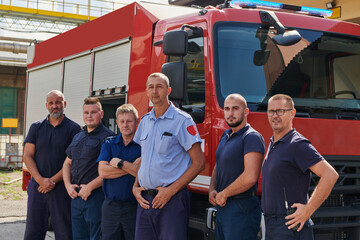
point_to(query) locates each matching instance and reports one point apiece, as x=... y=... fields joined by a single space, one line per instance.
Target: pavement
x=12 y=220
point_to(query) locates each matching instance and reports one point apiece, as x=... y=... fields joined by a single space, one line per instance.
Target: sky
x=70 y=6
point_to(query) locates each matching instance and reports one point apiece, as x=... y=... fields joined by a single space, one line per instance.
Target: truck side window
x=195 y=90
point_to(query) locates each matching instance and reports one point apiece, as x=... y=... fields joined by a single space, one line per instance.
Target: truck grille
x=338 y=218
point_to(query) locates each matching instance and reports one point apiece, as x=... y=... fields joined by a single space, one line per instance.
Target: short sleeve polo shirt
x=286 y=166
x=119 y=189
x=84 y=151
x=230 y=155
x=51 y=143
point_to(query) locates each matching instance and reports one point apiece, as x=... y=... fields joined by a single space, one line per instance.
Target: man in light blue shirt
x=171 y=157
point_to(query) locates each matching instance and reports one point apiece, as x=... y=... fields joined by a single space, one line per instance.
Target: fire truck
x=252 y=47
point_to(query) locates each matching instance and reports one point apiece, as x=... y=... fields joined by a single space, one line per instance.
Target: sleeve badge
x=192 y=130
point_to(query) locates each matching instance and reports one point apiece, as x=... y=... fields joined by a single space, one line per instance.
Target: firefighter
x=286 y=173
x=80 y=173
x=118 y=165
x=234 y=179
x=44 y=155
x=171 y=157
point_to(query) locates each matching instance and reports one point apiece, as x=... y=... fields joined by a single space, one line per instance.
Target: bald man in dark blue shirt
x=44 y=155
x=234 y=178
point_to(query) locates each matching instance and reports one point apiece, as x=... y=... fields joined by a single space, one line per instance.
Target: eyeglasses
x=279 y=112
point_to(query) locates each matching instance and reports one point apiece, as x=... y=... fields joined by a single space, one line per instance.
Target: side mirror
x=287 y=38
x=175 y=43
x=261 y=57
x=176 y=72
x=283 y=37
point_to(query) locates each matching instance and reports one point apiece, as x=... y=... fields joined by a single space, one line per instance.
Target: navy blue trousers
x=118 y=220
x=86 y=216
x=168 y=223
x=56 y=204
x=275 y=229
x=239 y=219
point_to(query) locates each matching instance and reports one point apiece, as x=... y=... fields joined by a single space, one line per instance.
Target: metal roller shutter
x=77 y=75
x=111 y=67
x=40 y=82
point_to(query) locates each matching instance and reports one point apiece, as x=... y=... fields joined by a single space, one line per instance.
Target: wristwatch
x=120 y=164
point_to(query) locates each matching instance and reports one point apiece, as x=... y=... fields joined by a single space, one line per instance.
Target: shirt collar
x=285 y=137
x=119 y=139
x=60 y=124
x=168 y=114
x=241 y=131
x=95 y=131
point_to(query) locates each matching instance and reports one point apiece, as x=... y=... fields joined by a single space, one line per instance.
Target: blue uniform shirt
x=286 y=165
x=119 y=189
x=230 y=155
x=164 y=144
x=84 y=151
x=51 y=143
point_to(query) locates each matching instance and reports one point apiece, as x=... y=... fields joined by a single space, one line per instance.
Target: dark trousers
x=56 y=204
x=275 y=229
x=86 y=216
x=239 y=219
x=168 y=223
x=118 y=220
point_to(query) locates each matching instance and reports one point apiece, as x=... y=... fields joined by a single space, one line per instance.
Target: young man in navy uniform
x=80 y=172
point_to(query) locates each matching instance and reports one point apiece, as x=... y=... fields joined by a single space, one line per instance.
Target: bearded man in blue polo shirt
x=234 y=179
x=80 y=172
x=171 y=157
x=44 y=155
x=286 y=173
x=118 y=165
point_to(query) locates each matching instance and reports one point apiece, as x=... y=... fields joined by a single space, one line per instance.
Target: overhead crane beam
x=32 y=13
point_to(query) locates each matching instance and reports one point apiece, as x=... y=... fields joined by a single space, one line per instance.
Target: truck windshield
x=321 y=72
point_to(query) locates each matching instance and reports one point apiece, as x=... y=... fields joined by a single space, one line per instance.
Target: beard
x=56 y=115
x=235 y=124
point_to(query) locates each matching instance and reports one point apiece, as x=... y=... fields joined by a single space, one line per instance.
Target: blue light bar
x=255 y=3
x=274 y=5
x=317 y=11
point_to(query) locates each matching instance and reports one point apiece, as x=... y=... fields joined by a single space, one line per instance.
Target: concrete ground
x=12 y=220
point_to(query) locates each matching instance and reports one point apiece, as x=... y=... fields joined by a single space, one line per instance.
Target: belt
x=151 y=192
x=244 y=195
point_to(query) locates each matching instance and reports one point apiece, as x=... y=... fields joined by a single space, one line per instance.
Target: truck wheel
x=11 y=166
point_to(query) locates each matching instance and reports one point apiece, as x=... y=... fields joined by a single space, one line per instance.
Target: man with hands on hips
x=286 y=176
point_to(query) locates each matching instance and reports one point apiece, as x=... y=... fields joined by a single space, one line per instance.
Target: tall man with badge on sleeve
x=44 y=155
x=289 y=162
x=80 y=172
x=234 y=179
x=171 y=157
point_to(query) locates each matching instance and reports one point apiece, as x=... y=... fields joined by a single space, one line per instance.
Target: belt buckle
x=152 y=192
